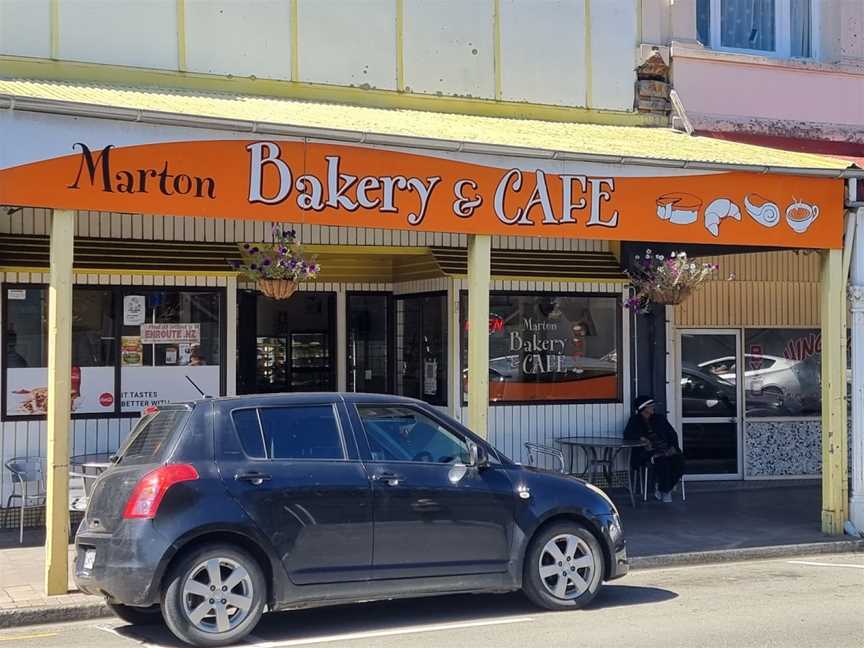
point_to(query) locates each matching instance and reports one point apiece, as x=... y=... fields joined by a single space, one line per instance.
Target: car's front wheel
x=563 y=567
x=214 y=596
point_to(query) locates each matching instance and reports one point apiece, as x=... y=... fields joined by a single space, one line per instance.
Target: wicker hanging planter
x=277 y=288
x=670 y=296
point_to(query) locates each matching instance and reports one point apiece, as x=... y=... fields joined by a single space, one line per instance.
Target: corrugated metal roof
x=573 y=138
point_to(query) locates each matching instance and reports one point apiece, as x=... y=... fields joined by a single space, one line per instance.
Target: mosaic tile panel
x=783 y=448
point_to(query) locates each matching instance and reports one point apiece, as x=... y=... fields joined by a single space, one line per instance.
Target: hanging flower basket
x=276 y=268
x=657 y=279
x=277 y=288
x=671 y=296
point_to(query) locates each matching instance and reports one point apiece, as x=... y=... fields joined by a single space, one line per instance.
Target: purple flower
x=266 y=262
x=291 y=234
x=254 y=250
x=283 y=250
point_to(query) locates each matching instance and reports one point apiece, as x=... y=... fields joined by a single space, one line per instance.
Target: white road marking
x=821 y=564
x=256 y=642
x=113 y=631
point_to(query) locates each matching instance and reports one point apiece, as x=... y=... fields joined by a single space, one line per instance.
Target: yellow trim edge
x=74 y=72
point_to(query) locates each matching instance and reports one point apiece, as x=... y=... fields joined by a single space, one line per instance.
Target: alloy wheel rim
x=217 y=595
x=566 y=566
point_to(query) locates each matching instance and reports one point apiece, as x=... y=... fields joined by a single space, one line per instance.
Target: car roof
x=299 y=398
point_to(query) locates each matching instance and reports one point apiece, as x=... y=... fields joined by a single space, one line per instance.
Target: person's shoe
x=667 y=497
x=658 y=495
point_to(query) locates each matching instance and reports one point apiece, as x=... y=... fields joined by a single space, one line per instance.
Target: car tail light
x=151 y=488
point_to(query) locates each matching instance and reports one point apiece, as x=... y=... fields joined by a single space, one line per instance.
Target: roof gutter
x=98 y=111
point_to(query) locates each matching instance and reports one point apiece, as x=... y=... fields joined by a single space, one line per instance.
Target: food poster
x=27 y=391
x=132 y=351
x=134 y=310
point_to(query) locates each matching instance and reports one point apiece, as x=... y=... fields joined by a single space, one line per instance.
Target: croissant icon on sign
x=717 y=210
x=762 y=210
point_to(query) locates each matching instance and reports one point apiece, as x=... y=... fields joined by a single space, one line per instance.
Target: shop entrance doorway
x=286 y=345
x=710 y=403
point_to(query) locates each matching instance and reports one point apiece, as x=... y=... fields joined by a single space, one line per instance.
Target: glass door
x=421 y=347
x=710 y=402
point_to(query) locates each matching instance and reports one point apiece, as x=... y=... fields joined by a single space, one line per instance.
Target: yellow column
x=479 y=278
x=835 y=471
x=59 y=402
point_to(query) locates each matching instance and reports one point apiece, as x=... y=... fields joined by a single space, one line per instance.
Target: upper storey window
x=781 y=28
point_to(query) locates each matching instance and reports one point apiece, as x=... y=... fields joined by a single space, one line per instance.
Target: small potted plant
x=658 y=279
x=277 y=268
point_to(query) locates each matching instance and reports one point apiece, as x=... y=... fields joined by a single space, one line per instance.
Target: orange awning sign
x=327 y=184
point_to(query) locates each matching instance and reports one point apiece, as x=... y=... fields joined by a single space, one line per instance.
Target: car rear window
x=300 y=432
x=151 y=435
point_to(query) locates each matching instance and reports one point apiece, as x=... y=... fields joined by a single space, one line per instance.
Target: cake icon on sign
x=679 y=208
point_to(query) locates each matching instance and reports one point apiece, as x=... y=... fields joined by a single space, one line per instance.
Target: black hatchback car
x=216 y=509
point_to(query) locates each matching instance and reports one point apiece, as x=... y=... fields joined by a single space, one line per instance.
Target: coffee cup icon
x=799 y=215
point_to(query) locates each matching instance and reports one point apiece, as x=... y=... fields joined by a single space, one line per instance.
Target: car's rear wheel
x=214 y=596
x=563 y=567
x=137 y=615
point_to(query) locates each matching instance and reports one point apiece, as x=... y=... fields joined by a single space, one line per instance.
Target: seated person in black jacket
x=659 y=447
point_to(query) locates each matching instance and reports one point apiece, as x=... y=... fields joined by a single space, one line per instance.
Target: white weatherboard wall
x=578 y=53
x=510 y=426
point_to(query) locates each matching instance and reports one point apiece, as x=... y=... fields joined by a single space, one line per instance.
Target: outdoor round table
x=601 y=453
x=89 y=467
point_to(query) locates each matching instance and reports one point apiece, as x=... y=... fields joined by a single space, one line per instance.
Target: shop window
x=369 y=339
x=421 y=347
x=769 y=27
x=160 y=342
x=171 y=346
x=26 y=359
x=782 y=372
x=550 y=347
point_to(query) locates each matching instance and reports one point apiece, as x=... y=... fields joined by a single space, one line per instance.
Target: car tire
x=572 y=549
x=195 y=618
x=137 y=615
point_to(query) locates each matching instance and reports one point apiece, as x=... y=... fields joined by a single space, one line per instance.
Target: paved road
x=816 y=601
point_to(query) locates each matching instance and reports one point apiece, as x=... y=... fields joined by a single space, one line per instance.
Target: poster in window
x=92 y=391
x=134 y=310
x=132 y=351
x=142 y=387
x=171 y=333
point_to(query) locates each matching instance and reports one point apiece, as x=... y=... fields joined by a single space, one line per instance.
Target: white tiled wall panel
x=239 y=38
x=449 y=47
x=348 y=43
x=542 y=60
x=613 y=54
x=121 y=32
x=25 y=28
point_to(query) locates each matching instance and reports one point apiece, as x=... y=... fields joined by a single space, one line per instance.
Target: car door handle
x=255 y=478
x=388 y=478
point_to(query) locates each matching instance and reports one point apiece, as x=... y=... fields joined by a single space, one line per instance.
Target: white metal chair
x=536 y=450
x=28 y=477
x=643 y=478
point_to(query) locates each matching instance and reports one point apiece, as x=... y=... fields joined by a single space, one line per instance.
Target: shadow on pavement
x=393 y=617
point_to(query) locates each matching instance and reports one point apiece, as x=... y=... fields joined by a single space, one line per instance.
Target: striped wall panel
x=31 y=220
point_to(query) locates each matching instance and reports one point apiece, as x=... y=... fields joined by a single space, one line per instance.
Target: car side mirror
x=477 y=456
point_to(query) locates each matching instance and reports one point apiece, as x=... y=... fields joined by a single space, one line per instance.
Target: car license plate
x=89 y=558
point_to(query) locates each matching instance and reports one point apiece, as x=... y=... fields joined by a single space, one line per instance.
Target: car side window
x=399 y=433
x=302 y=432
x=249 y=432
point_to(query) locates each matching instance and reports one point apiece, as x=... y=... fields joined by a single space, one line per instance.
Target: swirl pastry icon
x=762 y=210
x=717 y=210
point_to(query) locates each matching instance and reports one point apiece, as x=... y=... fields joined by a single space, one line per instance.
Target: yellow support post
x=835 y=470
x=479 y=279
x=59 y=402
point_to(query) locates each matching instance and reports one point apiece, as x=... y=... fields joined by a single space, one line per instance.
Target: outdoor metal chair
x=643 y=473
x=28 y=485
x=536 y=450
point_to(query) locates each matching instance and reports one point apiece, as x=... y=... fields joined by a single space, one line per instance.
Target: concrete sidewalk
x=22 y=585
x=717 y=523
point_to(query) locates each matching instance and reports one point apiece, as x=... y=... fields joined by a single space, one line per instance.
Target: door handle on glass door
x=388 y=478
x=254 y=478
